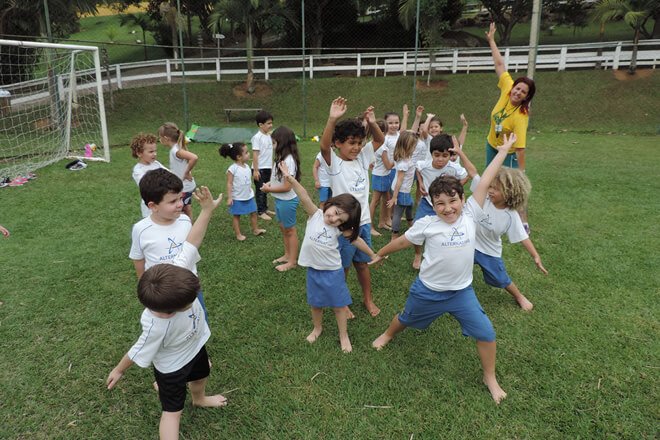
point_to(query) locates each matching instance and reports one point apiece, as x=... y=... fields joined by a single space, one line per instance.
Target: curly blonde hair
x=514 y=186
x=139 y=141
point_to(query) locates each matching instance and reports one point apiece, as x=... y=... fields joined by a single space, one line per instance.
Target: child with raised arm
x=326 y=283
x=174 y=329
x=444 y=284
x=286 y=202
x=143 y=148
x=349 y=173
x=240 y=197
x=182 y=161
x=321 y=180
x=401 y=201
x=507 y=195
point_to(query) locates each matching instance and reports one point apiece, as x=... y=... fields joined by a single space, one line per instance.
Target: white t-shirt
x=496 y=223
x=448 y=249
x=159 y=244
x=421 y=153
x=405 y=165
x=379 y=166
x=139 y=170
x=429 y=174
x=320 y=248
x=390 y=143
x=170 y=343
x=352 y=177
x=242 y=186
x=275 y=181
x=262 y=143
x=322 y=172
x=178 y=167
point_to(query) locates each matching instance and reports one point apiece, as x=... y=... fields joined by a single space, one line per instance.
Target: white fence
x=610 y=55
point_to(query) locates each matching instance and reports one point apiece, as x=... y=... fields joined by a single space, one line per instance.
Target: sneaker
x=76 y=165
x=264 y=216
x=4 y=182
x=270 y=213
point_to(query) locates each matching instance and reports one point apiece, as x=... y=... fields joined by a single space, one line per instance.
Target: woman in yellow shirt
x=511 y=112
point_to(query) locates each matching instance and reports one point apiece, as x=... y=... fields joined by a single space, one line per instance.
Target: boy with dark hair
x=174 y=329
x=348 y=170
x=444 y=284
x=262 y=161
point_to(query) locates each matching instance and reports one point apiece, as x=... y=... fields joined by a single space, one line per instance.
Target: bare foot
x=346 y=346
x=314 y=335
x=211 y=401
x=381 y=341
x=286 y=266
x=375 y=233
x=259 y=232
x=282 y=259
x=388 y=227
x=240 y=237
x=524 y=303
x=496 y=391
x=271 y=213
x=372 y=308
x=264 y=216
x=417 y=262
x=349 y=314
x=155 y=385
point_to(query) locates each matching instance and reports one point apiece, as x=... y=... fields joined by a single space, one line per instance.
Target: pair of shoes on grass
x=76 y=165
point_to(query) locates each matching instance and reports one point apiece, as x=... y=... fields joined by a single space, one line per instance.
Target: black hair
x=445 y=184
x=388 y=114
x=350 y=205
x=155 y=184
x=351 y=127
x=285 y=145
x=441 y=142
x=166 y=288
x=232 y=150
x=262 y=117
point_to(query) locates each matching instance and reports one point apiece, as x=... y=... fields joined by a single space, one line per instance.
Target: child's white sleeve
x=187 y=257
x=475 y=182
x=416 y=234
x=146 y=347
x=136 y=252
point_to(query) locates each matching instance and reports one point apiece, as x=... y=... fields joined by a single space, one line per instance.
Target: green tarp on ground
x=220 y=135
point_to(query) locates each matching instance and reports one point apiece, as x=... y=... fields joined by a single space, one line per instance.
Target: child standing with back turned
x=240 y=197
x=444 y=284
x=182 y=161
x=349 y=173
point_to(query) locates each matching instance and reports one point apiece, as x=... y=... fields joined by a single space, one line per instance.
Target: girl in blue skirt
x=240 y=196
x=326 y=282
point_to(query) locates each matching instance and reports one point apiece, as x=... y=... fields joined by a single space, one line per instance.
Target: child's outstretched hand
x=4 y=231
x=463 y=120
x=376 y=261
x=490 y=34
x=369 y=115
x=507 y=141
x=113 y=378
x=405 y=111
x=539 y=264
x=205 y=199
x=419 y=110
x=391 y=202
x=338 y=108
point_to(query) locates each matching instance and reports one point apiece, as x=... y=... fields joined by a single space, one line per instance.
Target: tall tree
x=436 y=17
x=142 y=21
x=506 y=14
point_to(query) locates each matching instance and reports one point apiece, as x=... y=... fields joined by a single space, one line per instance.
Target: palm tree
x=141 y=20
x=636 y=13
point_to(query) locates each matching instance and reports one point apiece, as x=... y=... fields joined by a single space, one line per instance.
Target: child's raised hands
x=369 y=115
x=338 y=107
x=507 y=142
x=490 y=34
x=203 y=195
x=405 y=111
x=419 y=110
x=463 y=120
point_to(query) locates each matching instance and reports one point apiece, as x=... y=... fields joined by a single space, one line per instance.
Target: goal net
x=51 y=105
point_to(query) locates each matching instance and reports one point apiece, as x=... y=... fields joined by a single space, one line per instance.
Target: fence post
x=168 y=70
x=266 y=76
x=617 y=56
x=454 y=62
x=118 y=70
x=507 y=52
x=217 y=69
x=311 y=67
x=60 y=87
x=376 y=67
x=359 y=64
x=405 y=63
x=562 y=59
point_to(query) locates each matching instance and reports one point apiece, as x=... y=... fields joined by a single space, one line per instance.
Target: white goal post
x=51 y=105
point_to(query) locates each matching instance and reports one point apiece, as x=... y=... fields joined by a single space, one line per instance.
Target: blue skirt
x=380 y=183
x=404 y=199
x=242 y=207
x=327 y=288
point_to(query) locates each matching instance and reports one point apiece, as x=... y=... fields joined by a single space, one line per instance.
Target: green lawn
x=583 y=364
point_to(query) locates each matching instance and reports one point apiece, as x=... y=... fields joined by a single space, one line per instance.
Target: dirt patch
x=260 y=90
x=623 y=75
x=433 y=85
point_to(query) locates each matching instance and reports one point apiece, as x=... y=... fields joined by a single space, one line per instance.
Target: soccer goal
x=51 y=105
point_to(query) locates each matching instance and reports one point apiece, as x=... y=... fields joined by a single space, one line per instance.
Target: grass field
x=583 y=364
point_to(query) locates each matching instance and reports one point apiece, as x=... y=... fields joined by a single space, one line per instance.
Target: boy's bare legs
x=255 y=226
x=340 y=315
x=290 y=249
x=394 y=328
x=197 y=389
x=235 y=223
x=364 y=278
x=522 y=301
x=487 y=351
x=317 y=320
x=169 y=425
x=417 y=262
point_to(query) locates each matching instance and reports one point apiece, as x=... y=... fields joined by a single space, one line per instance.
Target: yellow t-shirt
x=511 y=119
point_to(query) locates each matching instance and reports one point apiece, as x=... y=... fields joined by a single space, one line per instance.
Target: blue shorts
x=187 y=198
x=493 y=269
x=511 y=160
x=243 y=207
x=404 y=199
x=420 y=311
x=423 y=209
x=325 y=193
x=286 y=211
x=380 y=183
x=327 y=288
x=350 y=253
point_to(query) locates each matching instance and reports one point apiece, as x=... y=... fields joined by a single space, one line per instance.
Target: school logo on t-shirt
x=358 y=184
x=456 y=234
x=323 y=237
x=486 y=221
x=456 y=239
x=172 y=250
